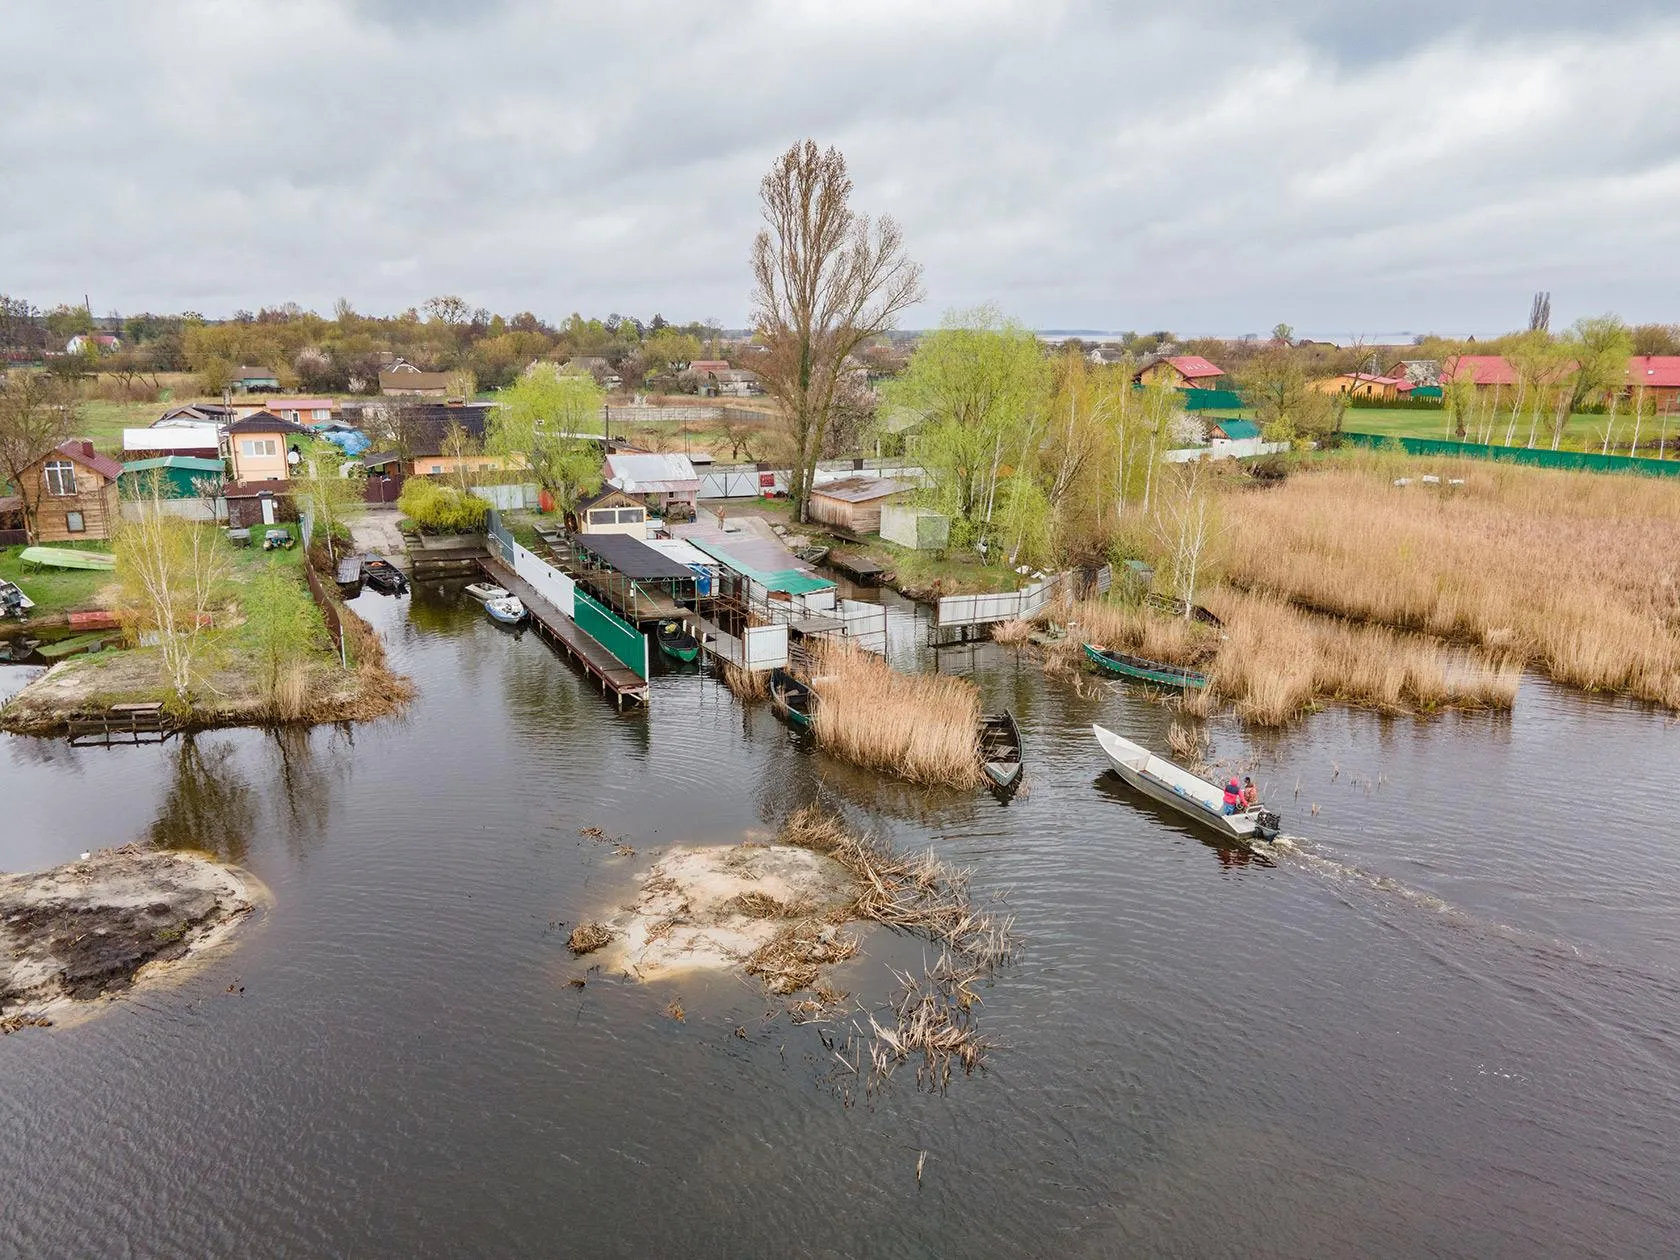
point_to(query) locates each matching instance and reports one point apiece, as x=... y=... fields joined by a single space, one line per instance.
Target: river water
x=1445 y=1027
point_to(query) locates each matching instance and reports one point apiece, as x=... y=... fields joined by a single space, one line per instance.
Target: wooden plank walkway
x=858 y=568
x=616 y=678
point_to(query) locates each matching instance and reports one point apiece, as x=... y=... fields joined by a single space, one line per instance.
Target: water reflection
x=209 y=803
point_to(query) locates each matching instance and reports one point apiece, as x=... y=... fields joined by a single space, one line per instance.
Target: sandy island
x=93 y=928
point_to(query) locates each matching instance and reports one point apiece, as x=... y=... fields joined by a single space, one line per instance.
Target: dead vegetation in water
x=1012 y=633
x=1577 y=573
x=792 y=959
x=931 y=1017
x=923 y=728
x=748 y=685
x=586 y=938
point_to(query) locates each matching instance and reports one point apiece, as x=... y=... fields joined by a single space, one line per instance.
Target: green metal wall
x=1212 y=400
x=1573 y=461
x=618 y=636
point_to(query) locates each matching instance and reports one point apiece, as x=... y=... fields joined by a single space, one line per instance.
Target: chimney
x=87 y=448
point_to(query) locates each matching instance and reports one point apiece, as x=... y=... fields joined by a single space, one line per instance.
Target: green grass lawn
x=103 y=422
x=55 y=590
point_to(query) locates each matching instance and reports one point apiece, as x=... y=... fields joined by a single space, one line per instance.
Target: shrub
x=441 y=509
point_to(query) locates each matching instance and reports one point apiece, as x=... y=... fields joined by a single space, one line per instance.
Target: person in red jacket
x=1233 y=797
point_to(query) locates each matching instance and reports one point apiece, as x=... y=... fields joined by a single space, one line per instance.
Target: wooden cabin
x=609 y=512
x=71 y=493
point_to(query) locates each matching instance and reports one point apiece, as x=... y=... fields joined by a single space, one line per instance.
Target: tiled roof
x=82 y=452
x=1654 y=370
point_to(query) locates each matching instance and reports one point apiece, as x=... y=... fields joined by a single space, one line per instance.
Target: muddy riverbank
x=93 y=928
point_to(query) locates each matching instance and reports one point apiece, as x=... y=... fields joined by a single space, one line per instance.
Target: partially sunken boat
x=1141 y=669
x=1188 y=794
x=1000 y=752
x=793 y=699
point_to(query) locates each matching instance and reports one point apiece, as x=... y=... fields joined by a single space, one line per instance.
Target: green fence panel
x=1571 y=461
x=1212 y=400
x=612 y=632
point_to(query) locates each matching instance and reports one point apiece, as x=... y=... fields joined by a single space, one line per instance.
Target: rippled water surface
x=1445 y=1027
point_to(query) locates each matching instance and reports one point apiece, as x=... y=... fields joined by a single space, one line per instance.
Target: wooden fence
x=328 y=607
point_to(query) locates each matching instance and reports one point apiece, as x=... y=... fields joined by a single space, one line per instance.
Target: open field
x=1576 y=574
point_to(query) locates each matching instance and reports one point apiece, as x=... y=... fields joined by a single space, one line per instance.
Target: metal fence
x=1572 y=461
x=979 y=610
x=624 y=641
x=865 y=624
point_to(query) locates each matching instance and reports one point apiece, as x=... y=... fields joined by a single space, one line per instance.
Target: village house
x=263 y=447
x=1657 y=376
x=1484 y=371
x=855 y=503
x=304 y=411
x=193 y=415
x=253 y=380
x=103 y=343
x=610 y=511
x=1106 y=354
x=662 y=480
x=70 y=493
x=404 y=380
x=1182 y=371
x=1420 y=372
x=1364 y=385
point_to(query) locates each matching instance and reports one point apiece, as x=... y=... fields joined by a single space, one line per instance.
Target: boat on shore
x=67 y=558
x=13 y=602
x=484 y=592
x=1000 y=752
x=1141 y=669
x=792 y=699
x=507 y=610
x=677 y=641
x=1187 y=793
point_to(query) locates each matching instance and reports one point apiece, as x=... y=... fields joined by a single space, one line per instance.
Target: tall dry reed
x=1577 y=573
x=920 y=727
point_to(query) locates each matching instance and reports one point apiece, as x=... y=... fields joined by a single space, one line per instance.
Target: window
x=437 y=468
x=629 y=516
x=60 y=476
x=322 y=413
x=254 y=447
x=601 y=516
x=73 y=523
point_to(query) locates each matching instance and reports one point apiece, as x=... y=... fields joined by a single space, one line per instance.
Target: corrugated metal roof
x=194 y=439
x=680 y=550
x=1654 y=370
x=1238 y=429
x=764 y=560
x=1193 y=366
x=644 y=474
x=631 y=557
x=186 y=463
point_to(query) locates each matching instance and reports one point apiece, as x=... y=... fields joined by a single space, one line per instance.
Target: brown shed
x=71 y=493
x=855 y=503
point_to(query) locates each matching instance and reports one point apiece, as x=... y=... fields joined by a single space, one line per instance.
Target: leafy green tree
x=540 y=420
x=980 y=385
x=281 y=628
x=37 y=412
x=330 y=486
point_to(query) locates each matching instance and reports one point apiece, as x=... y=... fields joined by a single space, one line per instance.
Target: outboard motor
x=1267 y=825
x=11 y=603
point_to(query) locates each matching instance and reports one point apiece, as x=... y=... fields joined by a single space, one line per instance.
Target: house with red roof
x=1182 y=371
x=70 y=493
x=1365 y=385
x=1657 y=375
x=1484 y=371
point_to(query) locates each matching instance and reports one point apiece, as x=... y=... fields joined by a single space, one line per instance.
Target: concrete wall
x=920 y=529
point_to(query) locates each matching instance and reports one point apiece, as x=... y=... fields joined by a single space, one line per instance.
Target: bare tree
x=823 y=283
x=1184 y=526
x=37 y=412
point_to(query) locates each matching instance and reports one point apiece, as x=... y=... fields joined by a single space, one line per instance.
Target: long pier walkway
x=616 y=679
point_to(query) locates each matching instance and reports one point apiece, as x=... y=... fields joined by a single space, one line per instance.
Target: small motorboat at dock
x=1180 y=790
x=484 y=592
x=507 y=610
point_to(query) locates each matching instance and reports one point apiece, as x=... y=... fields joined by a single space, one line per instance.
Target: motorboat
x=484 y=592
x=507 y=610
x=1187 y=793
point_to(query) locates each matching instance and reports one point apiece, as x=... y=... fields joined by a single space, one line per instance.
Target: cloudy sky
x=1203 y=166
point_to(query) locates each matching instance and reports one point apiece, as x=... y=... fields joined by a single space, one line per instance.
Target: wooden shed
x=855 y=503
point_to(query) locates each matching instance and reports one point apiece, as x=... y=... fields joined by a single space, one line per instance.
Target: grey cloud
x=1207 y=167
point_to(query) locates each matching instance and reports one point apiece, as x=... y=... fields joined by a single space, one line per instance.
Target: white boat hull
x=509 y=611
x=1179 y=790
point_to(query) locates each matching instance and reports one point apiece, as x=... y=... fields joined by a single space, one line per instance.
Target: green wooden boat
x=1139 y=669
x=676 y=641
x=77 y=644
x=65 y=558
x=795 y=701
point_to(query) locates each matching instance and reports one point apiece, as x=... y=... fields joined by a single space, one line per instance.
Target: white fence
x=508 y=498
x=741 y=481
x=764 y=647
x=545 y=579
x=979 y=610
x=865 y=624
x=1241 y=448
x=734 y=482
x=188 y=509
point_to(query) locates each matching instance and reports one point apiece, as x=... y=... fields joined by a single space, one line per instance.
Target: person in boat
x=1233 y=796
x=1250 y=793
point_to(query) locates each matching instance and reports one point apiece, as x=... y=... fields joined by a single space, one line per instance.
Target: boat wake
x=1356 y=883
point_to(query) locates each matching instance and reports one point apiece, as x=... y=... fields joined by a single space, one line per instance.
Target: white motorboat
x=1178 y=789
x=507 y=610
x=484 y=592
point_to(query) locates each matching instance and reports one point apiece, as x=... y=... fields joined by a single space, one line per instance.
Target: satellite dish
x=293 y=458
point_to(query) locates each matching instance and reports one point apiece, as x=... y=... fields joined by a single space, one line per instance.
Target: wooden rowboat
x=1188 y=794
x=1000 y=751
x=1140 y=669
x=792 y=699
x=384 y=576
x=677 y=641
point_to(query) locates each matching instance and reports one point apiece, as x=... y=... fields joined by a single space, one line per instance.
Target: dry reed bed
x=919 y=727
x=1275 y=662
x=932 y=1015
x=1578 y=573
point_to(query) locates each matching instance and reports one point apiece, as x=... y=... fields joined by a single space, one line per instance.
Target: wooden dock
x=616 y=678
x=859 y=568
x=123 y=723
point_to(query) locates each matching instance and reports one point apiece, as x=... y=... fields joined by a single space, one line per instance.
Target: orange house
x=259 y=447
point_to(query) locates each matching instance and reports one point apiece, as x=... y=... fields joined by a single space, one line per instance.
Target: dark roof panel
x=631 y=556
